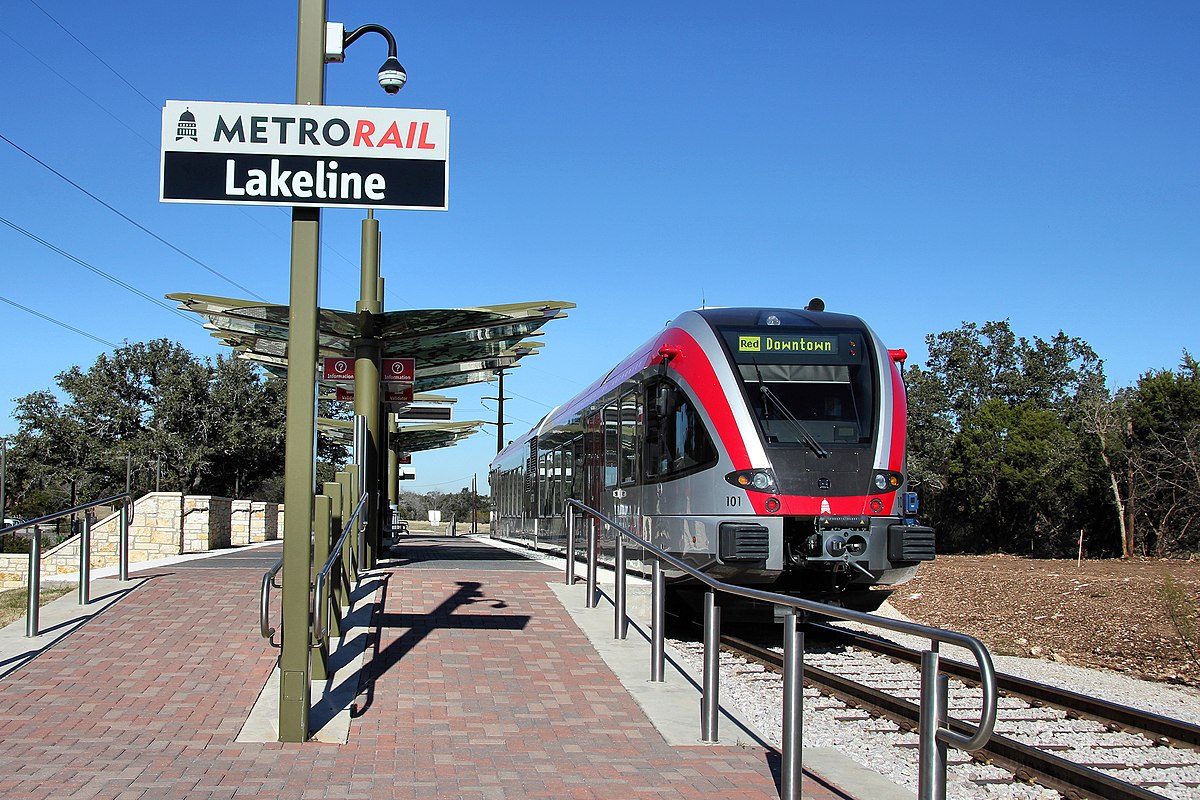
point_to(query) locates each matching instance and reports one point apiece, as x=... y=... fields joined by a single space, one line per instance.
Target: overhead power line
x=132 y=221
x=108 y=66
x=58 y=322
x=100 y=272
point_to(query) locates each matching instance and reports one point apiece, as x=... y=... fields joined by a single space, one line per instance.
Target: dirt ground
x=1112 y=614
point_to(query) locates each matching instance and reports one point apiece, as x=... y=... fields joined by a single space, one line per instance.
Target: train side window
x=578 y=471
x=611 y=422
x=631 y=412
x=677 y=442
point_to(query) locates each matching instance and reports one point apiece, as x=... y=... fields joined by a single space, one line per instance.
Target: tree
x=1164 y=457
x=214 y=428
x=998 y=444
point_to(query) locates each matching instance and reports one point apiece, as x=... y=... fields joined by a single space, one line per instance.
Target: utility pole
x=299 y=476
x=499 y=411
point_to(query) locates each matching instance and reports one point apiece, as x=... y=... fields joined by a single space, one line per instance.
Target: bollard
x=33 y=607
x=712 y=672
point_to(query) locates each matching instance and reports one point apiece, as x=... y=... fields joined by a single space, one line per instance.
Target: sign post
x=299 y=470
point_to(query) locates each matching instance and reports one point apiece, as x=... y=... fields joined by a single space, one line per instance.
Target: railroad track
x=1128 y=733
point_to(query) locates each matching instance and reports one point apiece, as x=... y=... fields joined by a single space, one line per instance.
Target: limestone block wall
x=264 y=522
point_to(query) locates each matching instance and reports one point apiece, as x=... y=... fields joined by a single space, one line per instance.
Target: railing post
x=570 y=577
x=712 y=668
x=33 y=607
x=931 y=759
x=591 y=565
x=123 y=539
x=85 y=560
x=793 y=708
x=620 y=619
x=657 y=635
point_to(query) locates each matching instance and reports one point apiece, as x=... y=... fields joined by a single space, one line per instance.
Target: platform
x=477 y=681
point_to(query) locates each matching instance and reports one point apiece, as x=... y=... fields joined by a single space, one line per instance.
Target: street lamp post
x=299 y=472
x=317 y=42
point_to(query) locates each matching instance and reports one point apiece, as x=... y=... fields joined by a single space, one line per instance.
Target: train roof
x=788 y=317
x=748 y=317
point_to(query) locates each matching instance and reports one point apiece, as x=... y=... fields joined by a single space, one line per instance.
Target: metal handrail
x=321 y=587
x=34 y=577
x=264 y=603
x=58 y=514
x=933 y=732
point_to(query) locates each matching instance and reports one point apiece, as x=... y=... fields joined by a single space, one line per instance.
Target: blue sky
x=917 y=164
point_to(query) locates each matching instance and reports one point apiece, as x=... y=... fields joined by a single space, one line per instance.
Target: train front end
x=819 y=406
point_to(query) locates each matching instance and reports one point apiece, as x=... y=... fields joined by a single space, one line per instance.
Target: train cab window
x=677 y=442
x=631 y=413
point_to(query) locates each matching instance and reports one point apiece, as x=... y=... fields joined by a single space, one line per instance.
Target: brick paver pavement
x=477 y=686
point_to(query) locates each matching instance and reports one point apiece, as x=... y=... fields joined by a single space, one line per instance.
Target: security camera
x=392 y=75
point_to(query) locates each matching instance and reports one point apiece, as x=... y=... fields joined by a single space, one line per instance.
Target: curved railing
x=264 y=603
x=934 y=733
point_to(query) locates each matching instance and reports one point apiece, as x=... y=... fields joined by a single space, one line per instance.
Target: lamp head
x=392 y=75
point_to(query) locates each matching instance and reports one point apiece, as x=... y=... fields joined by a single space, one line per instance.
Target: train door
x=593 y=459
x=627 y=493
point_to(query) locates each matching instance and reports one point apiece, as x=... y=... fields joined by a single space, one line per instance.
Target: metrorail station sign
x=299 y=155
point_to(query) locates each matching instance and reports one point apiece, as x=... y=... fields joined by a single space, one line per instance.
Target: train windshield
x=806 y=389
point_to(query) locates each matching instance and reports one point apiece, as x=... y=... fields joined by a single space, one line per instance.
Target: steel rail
x=1095 y=708
x=1074 y=781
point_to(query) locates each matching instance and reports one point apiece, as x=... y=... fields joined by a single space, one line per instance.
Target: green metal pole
x=321 y=514
x=366 y=377
x=344 y=480
x=299 y=473
x=384 y=512
x=393 y=476
x=333 y=491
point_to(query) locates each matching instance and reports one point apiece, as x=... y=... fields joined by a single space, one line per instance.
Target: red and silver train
x=765 y=446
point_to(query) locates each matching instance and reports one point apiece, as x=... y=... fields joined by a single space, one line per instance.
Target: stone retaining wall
x=164 y=524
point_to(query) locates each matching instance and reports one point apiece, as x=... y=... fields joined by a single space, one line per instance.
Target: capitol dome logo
x=187 y=126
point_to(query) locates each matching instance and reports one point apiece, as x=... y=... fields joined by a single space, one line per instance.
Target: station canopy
x=451 y=347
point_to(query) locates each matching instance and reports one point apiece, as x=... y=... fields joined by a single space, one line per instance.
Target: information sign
x=337 y=368
x=398 y=370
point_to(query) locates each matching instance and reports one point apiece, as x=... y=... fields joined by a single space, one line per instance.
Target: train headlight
x=757 y=480
x=888 y=481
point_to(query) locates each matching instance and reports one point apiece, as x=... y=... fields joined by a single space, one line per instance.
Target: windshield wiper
x=805 y=436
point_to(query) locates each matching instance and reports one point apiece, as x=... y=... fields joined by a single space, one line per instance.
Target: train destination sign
x=299 y=155
x=802 y=343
